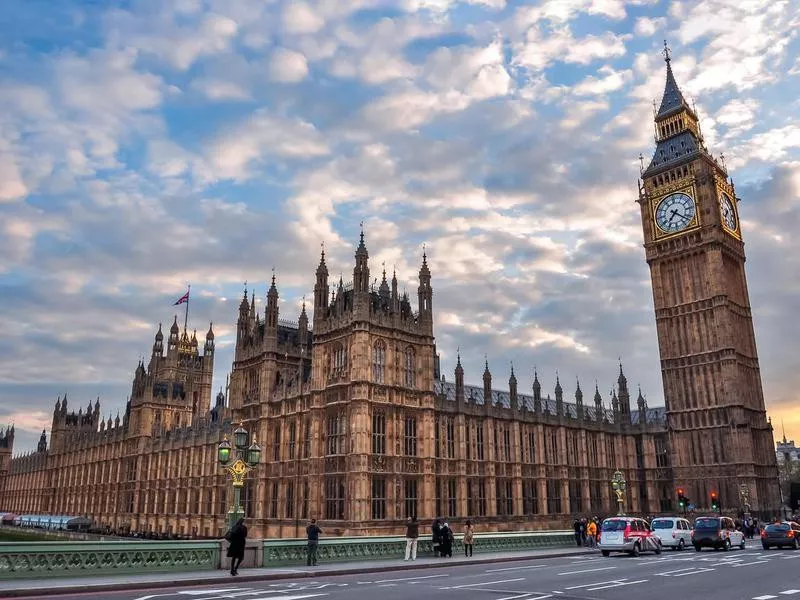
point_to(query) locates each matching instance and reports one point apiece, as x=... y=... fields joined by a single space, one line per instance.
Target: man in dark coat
x=436 y=538
x=313 y=532
x=237 y=536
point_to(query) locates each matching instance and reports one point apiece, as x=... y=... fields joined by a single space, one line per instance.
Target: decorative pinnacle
x=667 y=53
x=322 y=245
x=273 y=275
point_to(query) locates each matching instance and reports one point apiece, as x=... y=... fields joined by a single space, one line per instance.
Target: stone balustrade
x=49 y=559
x=356 y=549
x=44 y=559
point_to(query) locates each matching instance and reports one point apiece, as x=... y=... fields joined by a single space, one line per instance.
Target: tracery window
x=335 y=437
x=292 y=439
x=338 y=360
x=379 y=433
x=410 y=436
x=379 y=362
x=409 y=368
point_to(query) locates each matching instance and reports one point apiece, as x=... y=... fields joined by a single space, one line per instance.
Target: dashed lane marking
x=587 y=571
x=515 y=568
x=469 y=585
x=757 y=562
x=766 y=597
x=618 y=584
x=411 y=578
x=587 y=585
x=789 y=592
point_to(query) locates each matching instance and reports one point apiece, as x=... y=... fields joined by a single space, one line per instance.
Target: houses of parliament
x=361 y=429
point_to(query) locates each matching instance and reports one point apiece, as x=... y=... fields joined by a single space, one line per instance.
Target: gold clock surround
x=736 y=232
x=658 y=233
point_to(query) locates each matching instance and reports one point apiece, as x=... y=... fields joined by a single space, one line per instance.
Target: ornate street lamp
x=247 y=458
x=619 y=485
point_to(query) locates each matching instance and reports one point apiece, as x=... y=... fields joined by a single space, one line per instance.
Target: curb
x=151 y=585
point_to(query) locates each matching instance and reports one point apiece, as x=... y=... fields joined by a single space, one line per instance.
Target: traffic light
x=683 y=501
x=715 y=504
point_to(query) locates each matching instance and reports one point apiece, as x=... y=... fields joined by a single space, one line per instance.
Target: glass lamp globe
x=224 y=451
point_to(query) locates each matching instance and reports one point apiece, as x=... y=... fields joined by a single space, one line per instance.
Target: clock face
x=675 y=212
x=727 y=211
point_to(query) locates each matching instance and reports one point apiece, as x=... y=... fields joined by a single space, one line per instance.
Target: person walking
x=412 y=537
x=469 y=534
x=591 y=534
x=312 y=533
x=436 y=537
x=236 y=536
x=446 y=543
x=576 y=526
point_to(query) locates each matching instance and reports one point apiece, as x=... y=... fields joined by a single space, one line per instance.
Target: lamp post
x=246 y=459
x=619 y=485
x=744 y=495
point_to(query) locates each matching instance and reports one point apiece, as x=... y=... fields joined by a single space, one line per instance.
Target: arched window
x=409 y=367
x=378 y=362
x=338 y=360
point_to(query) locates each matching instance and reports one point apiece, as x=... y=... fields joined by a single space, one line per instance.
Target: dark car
x=780 y=535
x=716 y=532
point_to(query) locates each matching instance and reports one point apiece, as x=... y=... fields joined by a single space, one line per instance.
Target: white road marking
x=587 y=571
x=767 y=597
x=586 y=585
x=410 y=578
x=670 y=573
x=757 y=562
x=619 y=584
x=469 y=585
x=789 y=592
x=515 y=568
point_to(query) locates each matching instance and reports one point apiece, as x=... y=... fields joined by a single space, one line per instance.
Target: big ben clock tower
x=720 y=438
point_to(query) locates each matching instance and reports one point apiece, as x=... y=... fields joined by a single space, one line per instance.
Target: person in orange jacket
x=591 y=533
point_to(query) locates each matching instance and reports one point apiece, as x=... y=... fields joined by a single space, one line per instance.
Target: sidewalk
x=15 y=588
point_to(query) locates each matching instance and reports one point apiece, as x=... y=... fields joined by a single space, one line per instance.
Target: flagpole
x=186 y=314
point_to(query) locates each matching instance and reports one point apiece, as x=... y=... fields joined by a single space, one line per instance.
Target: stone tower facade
x=6 y=450
x=720 y=437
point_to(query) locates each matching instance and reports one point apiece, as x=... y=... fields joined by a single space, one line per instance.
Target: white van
x=674 y=532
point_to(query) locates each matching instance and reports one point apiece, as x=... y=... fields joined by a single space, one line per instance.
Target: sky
x=148 y=145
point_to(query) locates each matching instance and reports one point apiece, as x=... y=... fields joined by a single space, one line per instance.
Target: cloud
x=206 y=142
x=288 y=66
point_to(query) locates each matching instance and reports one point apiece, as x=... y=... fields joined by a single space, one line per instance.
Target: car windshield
x=663 y=524
x=778 y=527
x=706 y=524
x=614 y=525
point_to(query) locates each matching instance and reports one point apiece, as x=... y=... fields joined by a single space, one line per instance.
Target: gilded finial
x=667 y=53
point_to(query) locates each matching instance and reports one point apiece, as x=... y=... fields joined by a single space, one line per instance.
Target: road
x=751 y=574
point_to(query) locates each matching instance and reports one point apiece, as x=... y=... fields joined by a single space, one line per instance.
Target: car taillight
x=790 y=534
x=626 y=534
x=763 y=534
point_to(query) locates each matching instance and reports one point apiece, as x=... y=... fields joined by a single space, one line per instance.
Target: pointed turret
x=598 y=404
x=624 y=396
x=425 y=294
x=578 y=400
x=615 y=405
x=512 y=389
x=559 y=397
x=537 y=393
x=209 y=347
x=321 y=290
x=394 y=288
x=487 y=386
x=642 y=404
x=459 y=376
x=42 y=447
x=158 y=343
x=272 y=306
x=383 y=290
x=361 y=270
x=174 y=331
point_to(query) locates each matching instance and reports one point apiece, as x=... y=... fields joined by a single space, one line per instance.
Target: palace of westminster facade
x=361 y=430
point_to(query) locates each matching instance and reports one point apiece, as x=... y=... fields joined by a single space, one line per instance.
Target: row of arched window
x=379 y=364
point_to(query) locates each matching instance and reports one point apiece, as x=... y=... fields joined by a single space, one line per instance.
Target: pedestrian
x=236 y=536
x=583 y=532
x=436 y=537
x=412 y=536
x=576 y=526
x=591 y=533
x=446 y=541
x=312 y=533
x=469 y=534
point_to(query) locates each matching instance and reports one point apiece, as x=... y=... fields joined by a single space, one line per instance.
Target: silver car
x=628 y=534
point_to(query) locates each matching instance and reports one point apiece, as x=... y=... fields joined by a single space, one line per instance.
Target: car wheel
x=605 y=552
x=635 y=552
x=658 y=548
x=741 y=546
x=681 y=545
x=697 y=547
x=727 y=545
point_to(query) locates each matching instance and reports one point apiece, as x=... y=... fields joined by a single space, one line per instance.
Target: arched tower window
x=378 y=362
x=338 y=360
x=409 y=367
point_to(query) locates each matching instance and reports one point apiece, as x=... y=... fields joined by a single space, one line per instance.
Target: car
x=627 y=534
x=716 y=532
x=674 y=532
x=781 y=534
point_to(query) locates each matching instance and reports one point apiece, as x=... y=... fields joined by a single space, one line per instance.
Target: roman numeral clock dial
x=675 y=212
x=728 y=212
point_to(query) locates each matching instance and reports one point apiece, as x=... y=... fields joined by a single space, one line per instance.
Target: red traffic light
x=680 y=491
x=713 y=495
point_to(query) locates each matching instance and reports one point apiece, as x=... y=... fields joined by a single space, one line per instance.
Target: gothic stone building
x=361 y=430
